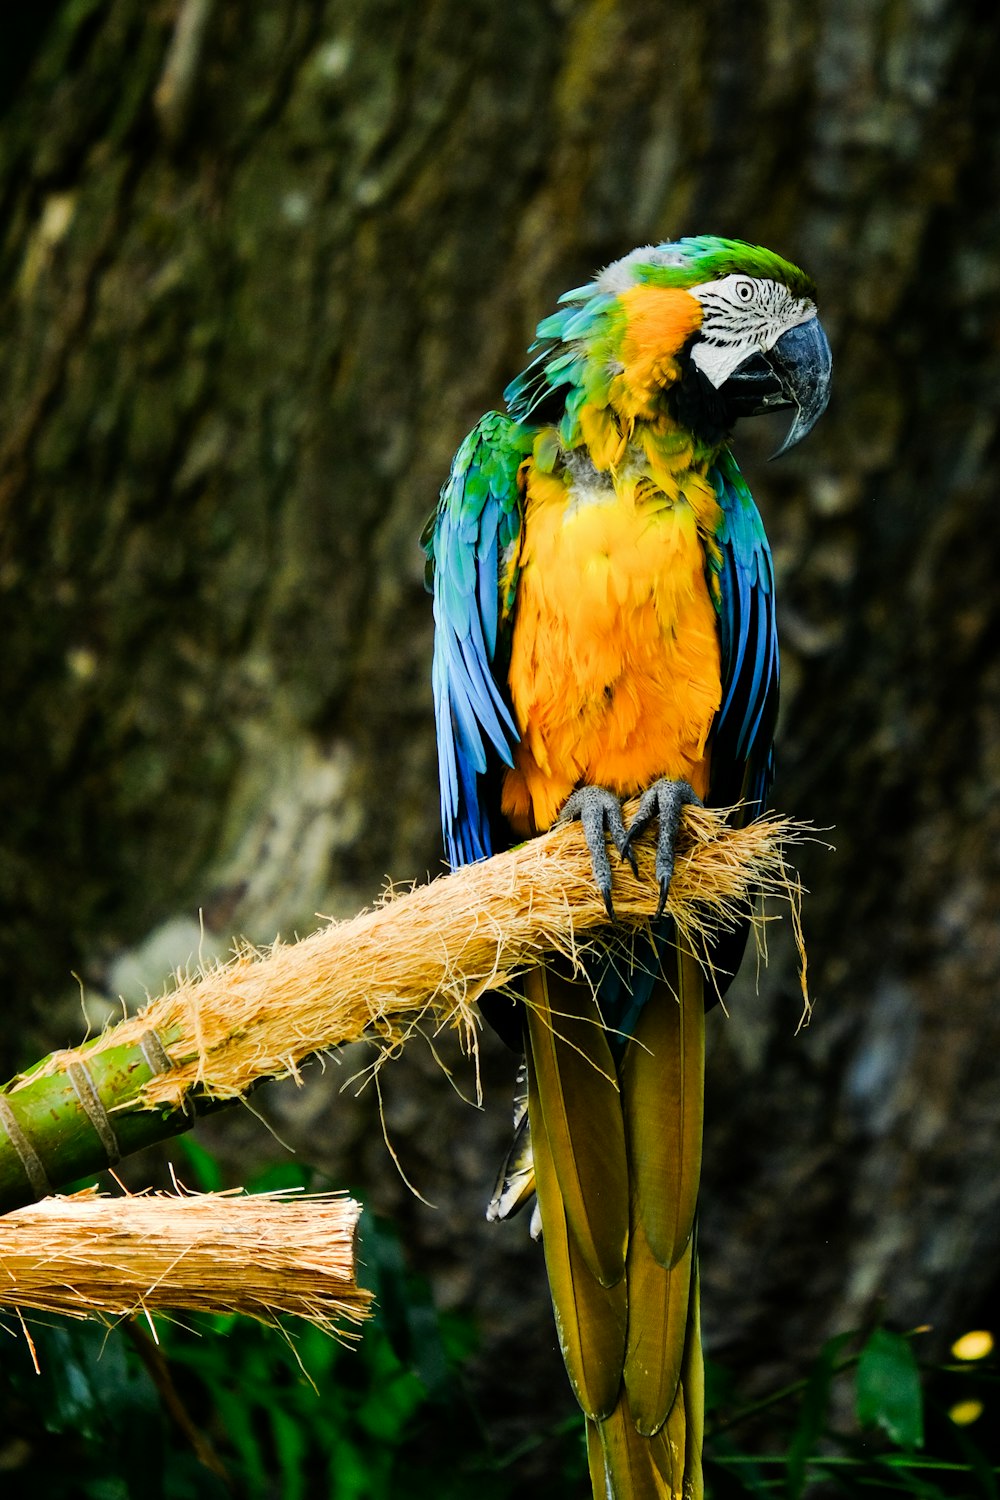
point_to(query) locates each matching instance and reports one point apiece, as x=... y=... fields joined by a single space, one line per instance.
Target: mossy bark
x=262 y=266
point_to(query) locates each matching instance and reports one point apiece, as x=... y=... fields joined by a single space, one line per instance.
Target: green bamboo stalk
x=82 y=1119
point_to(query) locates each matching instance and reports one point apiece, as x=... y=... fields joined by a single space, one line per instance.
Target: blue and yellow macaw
x=604 y=610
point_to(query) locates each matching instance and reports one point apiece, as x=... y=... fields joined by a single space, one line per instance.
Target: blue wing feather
x=477 y=521
x=488 y=572
x=742 y=737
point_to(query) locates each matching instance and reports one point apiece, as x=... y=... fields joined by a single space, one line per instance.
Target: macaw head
x=709 y=330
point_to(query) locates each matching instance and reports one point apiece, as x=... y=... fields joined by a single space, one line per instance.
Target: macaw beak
x=794 y=372
x=802 y=361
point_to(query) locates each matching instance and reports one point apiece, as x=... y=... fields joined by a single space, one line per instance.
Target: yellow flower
x=974 y=1345
x=965 y=1412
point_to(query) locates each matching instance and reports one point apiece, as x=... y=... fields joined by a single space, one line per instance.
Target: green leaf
x=240 y=1426
x=887 y=1392
x=207 y=1172
x=812 y=1415
x=720 y=1387
x=283 y=1176
x=291 y=1448
x=725 y=1455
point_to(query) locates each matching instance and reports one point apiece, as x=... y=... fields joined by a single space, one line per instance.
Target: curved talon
x=600 y=813
x=664 y=800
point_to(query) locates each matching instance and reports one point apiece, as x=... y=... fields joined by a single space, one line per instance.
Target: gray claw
x=600 y=813
x=665 y=801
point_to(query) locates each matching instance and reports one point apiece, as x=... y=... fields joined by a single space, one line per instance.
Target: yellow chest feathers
x=615 y=672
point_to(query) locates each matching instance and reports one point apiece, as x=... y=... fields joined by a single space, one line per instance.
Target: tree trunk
x=263 y=265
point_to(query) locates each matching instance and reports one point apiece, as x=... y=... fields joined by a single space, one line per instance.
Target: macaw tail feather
x=616 y=1127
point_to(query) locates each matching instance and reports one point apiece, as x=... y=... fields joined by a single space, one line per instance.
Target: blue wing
x=743 y=733
x=473 y=539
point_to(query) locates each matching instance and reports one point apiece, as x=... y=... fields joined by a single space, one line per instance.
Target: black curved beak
x=794 y=373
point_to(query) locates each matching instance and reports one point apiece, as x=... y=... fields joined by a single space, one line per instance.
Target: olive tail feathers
x=616 y=1135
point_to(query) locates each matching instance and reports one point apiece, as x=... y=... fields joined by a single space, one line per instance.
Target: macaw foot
x=664 y=800
x=600 y=812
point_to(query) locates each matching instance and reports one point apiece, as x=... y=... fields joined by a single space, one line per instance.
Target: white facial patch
x=742 y=315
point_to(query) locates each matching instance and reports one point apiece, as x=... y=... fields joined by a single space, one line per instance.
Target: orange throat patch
x=615 y=663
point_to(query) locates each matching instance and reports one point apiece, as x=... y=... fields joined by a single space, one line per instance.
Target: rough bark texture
x=262 y=266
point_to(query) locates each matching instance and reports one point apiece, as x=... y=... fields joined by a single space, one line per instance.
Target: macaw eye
x=744 y=291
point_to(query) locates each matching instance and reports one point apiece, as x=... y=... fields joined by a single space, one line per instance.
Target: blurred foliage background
x=261 y=267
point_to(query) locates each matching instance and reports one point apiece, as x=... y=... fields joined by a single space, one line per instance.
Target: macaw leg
x=600 y=812
x=665 y=801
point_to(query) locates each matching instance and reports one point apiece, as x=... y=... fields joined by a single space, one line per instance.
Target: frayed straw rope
x=425 y=956
x=264 y=1255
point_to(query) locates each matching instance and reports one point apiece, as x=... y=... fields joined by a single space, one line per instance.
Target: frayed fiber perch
x=420 y=959
x=263 y=1255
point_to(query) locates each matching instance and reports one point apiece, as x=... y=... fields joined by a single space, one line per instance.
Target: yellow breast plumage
x=615 y=666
